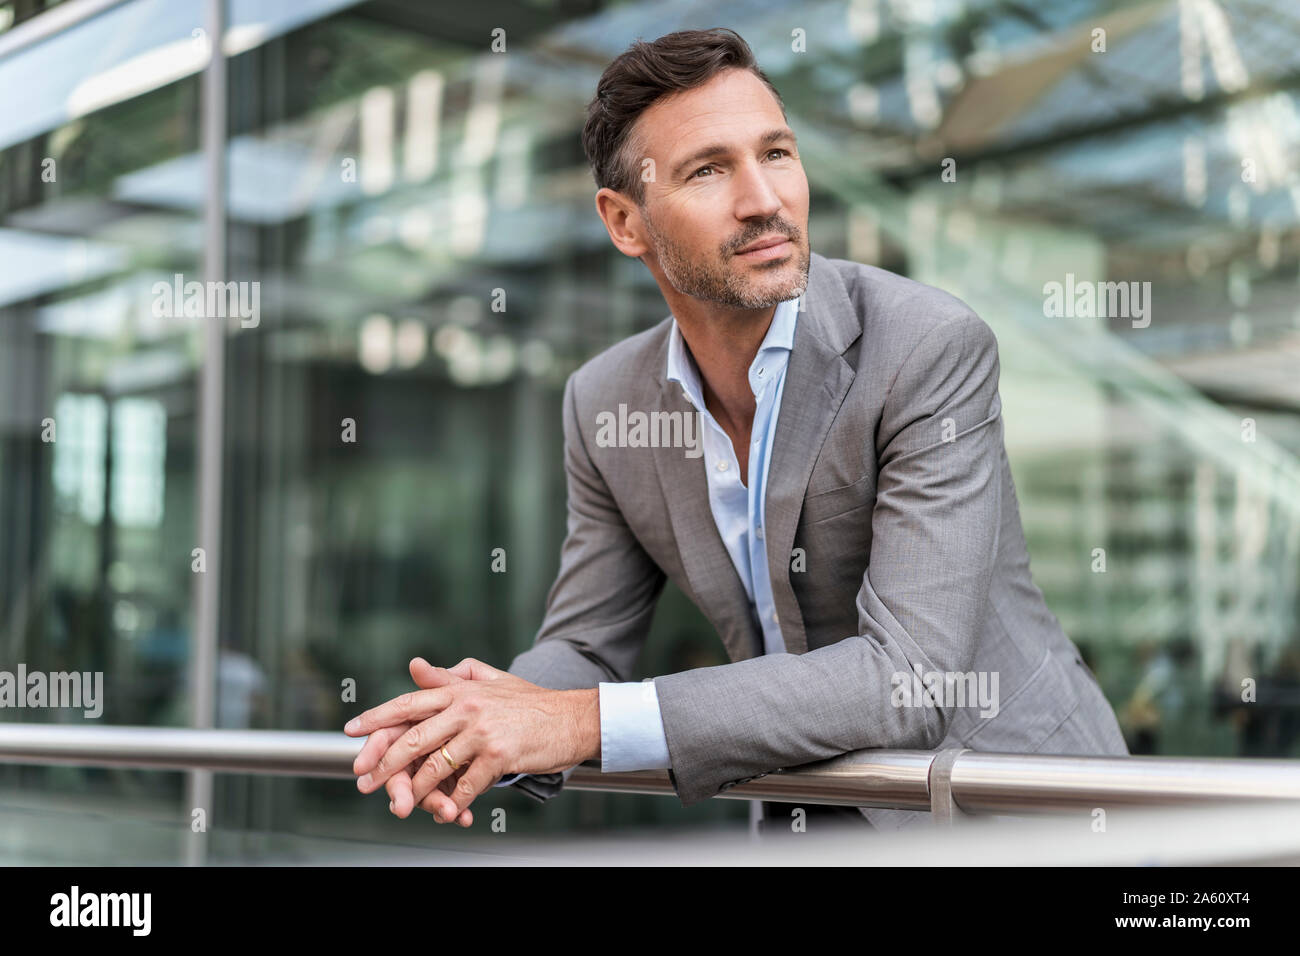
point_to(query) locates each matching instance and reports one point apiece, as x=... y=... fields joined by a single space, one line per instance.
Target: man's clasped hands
x=439 y=747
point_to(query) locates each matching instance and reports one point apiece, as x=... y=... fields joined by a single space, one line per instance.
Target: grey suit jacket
x=894 y=547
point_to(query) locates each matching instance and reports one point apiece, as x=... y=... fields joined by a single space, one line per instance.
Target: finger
x=439 y=811
x=427 y=676
x=471 y=669
x=410 y=707
x=435 y=770
x=465 y=819
x=403 y=807
x=478 y=776
x=440 y=805
x=438 y=802
x=401 y=803
x=375 y=746
x=418 y=740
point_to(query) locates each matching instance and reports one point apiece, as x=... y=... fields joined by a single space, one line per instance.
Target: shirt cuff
x=631 y=728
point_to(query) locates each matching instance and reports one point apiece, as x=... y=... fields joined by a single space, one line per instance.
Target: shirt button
x=774 y=618
x=758 y=533
x=722 y=464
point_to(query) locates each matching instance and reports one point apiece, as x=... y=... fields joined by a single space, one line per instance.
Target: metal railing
x=945 y=782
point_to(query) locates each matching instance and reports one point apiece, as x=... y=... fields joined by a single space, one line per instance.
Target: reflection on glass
x=416 y=210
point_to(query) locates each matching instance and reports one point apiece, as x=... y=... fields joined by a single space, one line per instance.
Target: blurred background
x=390 y=165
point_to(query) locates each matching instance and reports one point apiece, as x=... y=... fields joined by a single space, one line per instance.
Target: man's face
x=727 y=175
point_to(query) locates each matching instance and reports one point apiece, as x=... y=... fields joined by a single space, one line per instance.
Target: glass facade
x=409 y=221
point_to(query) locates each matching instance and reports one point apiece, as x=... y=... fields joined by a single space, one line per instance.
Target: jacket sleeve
x=935 y=527
x=600 y=607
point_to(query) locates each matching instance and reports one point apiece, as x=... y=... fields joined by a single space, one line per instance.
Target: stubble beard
x=737 y=286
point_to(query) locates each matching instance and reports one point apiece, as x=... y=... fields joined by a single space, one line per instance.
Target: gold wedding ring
x=447 y=757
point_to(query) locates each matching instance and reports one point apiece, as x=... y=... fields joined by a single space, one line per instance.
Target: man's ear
x=615 y=211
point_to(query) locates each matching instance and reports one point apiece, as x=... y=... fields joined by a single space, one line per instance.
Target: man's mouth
x=772 y=247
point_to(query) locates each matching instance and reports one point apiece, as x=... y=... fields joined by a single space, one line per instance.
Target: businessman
x=846 y=518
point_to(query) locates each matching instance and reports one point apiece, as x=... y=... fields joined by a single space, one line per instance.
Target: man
x=846 y=519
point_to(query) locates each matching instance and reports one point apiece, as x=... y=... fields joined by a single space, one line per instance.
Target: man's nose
x=756 y=198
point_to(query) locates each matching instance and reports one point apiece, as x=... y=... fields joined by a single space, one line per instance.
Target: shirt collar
x=681 y=364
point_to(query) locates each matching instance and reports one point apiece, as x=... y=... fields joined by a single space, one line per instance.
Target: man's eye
x=696 y=174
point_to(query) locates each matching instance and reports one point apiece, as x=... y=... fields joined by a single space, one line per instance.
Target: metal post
x=207 y=586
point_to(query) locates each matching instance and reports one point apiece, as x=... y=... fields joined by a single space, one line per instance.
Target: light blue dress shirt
x=631 y=728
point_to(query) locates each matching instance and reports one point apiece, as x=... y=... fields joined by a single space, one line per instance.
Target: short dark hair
x=642 y=74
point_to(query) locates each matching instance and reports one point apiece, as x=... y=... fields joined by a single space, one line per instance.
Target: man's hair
x=636 y=80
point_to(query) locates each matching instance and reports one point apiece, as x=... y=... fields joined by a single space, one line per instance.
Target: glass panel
x=97 y=383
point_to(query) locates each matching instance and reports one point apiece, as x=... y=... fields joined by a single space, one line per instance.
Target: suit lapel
x=719 y=590
x=816 y=380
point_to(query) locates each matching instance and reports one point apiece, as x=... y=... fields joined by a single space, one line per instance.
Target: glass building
x=403 y=185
